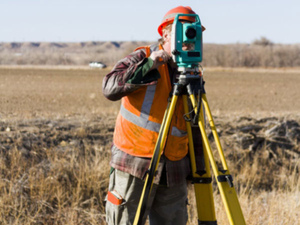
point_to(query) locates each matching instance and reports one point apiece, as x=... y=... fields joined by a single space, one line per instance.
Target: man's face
x=188 y=46
x=167 y=42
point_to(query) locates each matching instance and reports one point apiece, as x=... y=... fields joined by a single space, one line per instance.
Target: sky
x=226 y=21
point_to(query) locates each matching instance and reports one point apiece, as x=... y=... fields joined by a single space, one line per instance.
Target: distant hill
x=62 y=53
x=260 y=53
x=71 y=45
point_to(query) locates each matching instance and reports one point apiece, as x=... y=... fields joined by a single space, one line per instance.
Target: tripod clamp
x=224 y=178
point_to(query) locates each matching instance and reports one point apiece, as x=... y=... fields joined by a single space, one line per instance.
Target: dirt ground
x=51 y=92
x=253 y=92
x=28 y=92
x=63 y=100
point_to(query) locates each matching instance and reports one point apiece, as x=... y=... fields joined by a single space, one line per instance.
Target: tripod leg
x=160 y=143
x=223 y=177
x=202 y=183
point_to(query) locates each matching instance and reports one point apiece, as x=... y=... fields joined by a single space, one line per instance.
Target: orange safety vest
x=141 y=115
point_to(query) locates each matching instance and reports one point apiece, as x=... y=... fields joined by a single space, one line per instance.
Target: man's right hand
x=159 y=57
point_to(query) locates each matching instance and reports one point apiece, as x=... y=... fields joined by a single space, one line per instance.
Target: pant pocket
x=116 y=211
x=115 y=214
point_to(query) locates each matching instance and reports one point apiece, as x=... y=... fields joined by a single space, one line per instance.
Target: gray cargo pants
x=167 y=205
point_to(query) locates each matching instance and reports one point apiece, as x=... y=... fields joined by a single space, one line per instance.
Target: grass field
x=56 y=130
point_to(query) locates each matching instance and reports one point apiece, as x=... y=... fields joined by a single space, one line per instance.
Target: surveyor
x=143 y=81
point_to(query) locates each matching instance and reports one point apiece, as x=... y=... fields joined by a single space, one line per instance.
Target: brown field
x=56 y=130
x=45 y=92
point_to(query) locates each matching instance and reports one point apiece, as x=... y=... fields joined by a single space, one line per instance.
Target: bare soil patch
x=57 y=92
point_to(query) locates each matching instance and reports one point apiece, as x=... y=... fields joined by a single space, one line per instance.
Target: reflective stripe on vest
x=142 y=120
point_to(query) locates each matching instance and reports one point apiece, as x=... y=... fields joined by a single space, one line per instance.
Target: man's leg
x=130 y=188
x=169 y=206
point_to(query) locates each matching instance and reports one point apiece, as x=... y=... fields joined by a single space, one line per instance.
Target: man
x=144 y=80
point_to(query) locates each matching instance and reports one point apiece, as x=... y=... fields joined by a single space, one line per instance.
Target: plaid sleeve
x=115 y=84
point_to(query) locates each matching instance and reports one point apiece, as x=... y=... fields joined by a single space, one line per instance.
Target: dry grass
x=53 y=186
x=251 y=55
x=56 y=130
x=268 y=190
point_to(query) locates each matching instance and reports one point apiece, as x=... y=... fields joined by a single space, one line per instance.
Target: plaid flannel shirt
x=115 y=86
x=176 y=171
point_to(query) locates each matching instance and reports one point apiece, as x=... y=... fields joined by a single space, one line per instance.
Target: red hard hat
x=170 y=16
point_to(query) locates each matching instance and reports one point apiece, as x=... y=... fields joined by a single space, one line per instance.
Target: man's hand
x=159 y=57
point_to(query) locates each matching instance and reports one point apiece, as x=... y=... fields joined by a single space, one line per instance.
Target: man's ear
x=166 y=35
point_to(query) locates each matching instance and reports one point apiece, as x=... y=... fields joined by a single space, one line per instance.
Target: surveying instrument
x=190 y=84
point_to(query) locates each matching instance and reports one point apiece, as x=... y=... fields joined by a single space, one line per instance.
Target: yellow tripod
x=190 y=82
